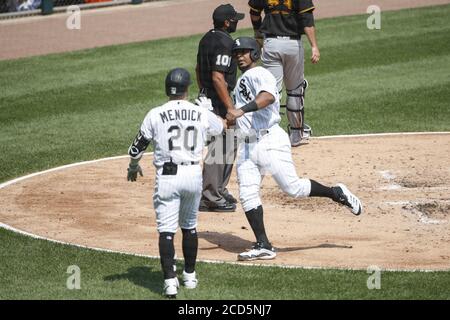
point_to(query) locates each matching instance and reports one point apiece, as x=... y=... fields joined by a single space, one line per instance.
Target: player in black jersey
x=216 y=77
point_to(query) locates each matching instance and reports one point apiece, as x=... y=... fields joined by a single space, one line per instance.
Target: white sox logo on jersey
x=244 y=91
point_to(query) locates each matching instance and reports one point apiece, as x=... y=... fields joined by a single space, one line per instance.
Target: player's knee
x=188 y=224
x=300 y=189
x=250 y=202
x=167 y=229
x=189 y=232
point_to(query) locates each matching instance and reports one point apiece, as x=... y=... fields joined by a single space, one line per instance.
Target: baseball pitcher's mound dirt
x=402 y=180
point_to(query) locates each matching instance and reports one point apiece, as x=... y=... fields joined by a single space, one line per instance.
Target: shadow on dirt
x=235 y=244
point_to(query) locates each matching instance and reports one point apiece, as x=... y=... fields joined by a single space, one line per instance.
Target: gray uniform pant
x=218 y=166
x=284 y=58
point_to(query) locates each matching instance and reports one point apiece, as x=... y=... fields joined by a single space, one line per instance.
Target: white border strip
x=10 y=228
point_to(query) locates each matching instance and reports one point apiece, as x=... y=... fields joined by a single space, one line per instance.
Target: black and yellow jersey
x=283 y=17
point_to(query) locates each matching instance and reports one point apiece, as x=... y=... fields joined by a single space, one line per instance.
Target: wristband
x=250 y=107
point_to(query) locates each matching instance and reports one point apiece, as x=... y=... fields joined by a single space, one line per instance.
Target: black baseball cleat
x=229 y=197
x=348 y=199
x=212 y=207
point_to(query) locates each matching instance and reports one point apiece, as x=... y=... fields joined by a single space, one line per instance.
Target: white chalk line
x=22 y=232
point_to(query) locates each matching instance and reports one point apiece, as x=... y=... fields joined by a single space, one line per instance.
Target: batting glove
x=133 y=170
x=204 y=102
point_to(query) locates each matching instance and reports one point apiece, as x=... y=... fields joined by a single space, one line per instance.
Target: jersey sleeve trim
x=308 y=9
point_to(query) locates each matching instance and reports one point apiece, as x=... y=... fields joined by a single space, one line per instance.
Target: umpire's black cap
x=226 y=12
x=177 y=82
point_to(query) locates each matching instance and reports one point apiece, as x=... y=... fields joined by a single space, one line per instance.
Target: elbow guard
x=138 y=146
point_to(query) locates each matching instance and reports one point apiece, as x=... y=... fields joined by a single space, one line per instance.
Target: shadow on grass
x=144 y=276
x=235 y=244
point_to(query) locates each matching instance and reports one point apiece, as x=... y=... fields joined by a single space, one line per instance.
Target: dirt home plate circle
x=403 y=181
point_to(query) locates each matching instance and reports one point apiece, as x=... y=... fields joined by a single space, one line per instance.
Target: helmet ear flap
x=255 y=55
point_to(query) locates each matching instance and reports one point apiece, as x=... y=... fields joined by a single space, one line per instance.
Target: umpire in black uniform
x=216 y=77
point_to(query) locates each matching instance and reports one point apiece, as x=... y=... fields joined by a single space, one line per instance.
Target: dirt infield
x=130 y=23
x=403 y=181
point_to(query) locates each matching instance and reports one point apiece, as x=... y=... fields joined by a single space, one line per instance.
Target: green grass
x=43 y=275
x=64 y=108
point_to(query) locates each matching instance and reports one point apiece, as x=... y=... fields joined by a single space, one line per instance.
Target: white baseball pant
x=177 y=197
x=271 y=154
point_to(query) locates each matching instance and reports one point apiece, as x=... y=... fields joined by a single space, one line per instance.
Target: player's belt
x=283 y=37
x=261 y=133
x=188 y=163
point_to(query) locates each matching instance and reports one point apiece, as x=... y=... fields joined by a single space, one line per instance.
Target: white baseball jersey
x=270 y=153
x=248 y=86
x=179 y=131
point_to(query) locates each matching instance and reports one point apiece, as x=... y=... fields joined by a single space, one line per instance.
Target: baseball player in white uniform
x=265 y=148
x=179 y=131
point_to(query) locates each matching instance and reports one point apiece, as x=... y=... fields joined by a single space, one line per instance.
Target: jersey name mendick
x=177 y=114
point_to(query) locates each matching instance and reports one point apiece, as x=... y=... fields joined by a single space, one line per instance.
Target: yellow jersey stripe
x=309 y=9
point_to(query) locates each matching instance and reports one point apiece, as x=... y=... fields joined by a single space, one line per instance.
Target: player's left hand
x=204 y=102
x=133 y=170
x=315 y=56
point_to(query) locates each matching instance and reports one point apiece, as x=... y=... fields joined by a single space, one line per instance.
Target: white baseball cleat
x=171 y=287
x=307 y=132
x=348 y=199
x=258 y=252
x=190 y=280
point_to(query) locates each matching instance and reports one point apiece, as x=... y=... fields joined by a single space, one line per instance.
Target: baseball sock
x=167 y=253
x=190 y=247
x=255 y=218
x=319 y=190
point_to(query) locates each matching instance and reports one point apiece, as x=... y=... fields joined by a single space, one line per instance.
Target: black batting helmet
x=247 y=43
x=177 y=82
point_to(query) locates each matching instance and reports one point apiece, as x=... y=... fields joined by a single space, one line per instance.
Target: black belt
x=283 y=37
x=188 y=163
x=251 y=139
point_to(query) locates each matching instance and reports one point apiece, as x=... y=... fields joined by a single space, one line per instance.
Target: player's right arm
x=262 y=100
x=138 y=147
x=265 y=85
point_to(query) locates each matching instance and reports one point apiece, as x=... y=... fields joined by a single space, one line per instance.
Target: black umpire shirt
x=283 y=17
x=214 y=54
